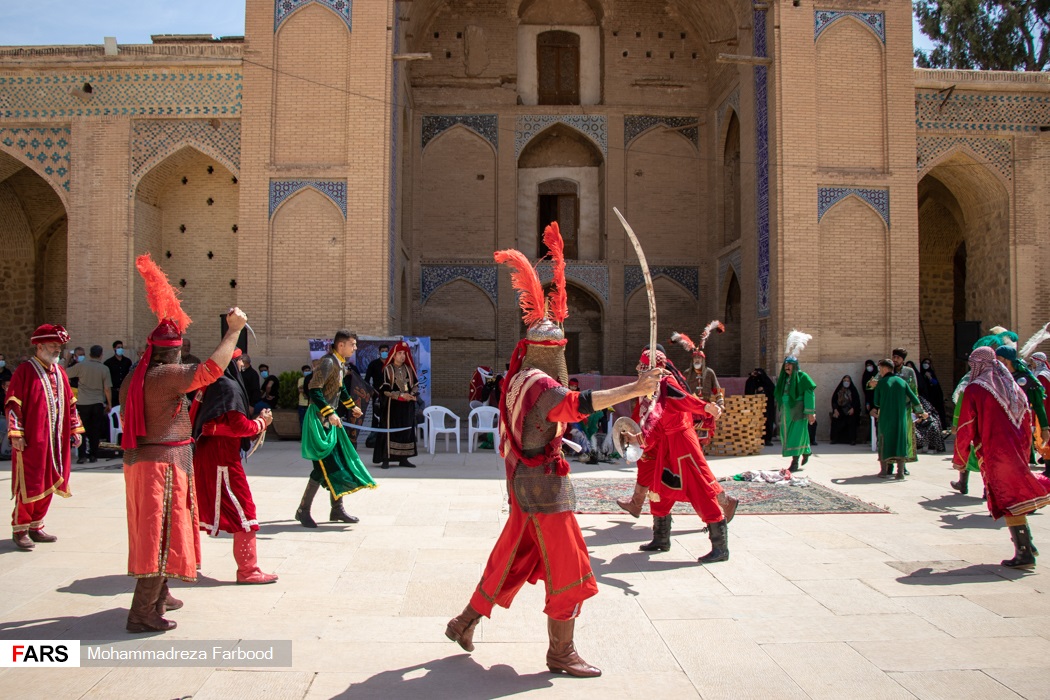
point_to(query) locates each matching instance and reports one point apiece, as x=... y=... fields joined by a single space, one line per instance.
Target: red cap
x=49 y=333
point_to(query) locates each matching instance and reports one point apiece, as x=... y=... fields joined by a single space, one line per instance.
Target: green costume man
x=1033 y=389
x=795 y=397
x=895 y=401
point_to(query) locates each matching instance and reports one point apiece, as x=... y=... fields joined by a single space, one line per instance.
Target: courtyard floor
x=900 y=605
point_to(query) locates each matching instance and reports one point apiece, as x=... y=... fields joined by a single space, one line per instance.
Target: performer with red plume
x=163 y=537
x=542 y=540
x=702 y=379
x=42 y=419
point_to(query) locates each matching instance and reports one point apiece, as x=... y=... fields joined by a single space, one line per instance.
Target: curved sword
x=649 y=291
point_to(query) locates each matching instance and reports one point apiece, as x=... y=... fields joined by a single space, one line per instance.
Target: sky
x=132 y=21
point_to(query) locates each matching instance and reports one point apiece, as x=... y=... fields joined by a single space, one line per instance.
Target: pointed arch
x=663 y=128
x=166 y=149
x=45 y=151
x=457 y=207
x=867 y=21
x=283 y=190
x=579 y=144
x=459 y=127
x=848 y=196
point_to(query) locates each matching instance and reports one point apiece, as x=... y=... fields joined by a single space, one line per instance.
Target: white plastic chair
x=421 y=430
x=116 y=425
x=483 y=420
x=437 y=425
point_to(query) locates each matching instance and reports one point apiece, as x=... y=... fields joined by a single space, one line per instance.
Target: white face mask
x=845 y=384
x=634 y=453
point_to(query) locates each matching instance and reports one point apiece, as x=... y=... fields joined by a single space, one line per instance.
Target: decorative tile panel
x=688 y=277
x=822 y=19
x=635 y=124
x=46 y=148
x=281 y=190
x=484 y=125
x=995 y=152
x=593 y=126
x=282 y=10
x=436 y=276
x=761 y=74
x=162 y=93
x=153 y=140
x=732 y=100
x=879 y=199
x=594 y=276
x=981 y=112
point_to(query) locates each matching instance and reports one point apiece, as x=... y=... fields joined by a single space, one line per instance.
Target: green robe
x=971 y=463
x=895 y=400
x=796 y=403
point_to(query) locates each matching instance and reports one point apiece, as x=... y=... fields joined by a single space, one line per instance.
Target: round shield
x=621 y=427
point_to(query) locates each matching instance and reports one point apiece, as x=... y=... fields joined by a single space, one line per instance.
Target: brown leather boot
x=636 y=501
x=561 y=655
x=143 y=615
x=41 y=536
x=22 y=540
x=166 y=601
x=460 y=629
x=244 y=553
x=728 y=504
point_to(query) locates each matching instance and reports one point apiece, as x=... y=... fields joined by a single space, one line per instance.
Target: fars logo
x=34 y=653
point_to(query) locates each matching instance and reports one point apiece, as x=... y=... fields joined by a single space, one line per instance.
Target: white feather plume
x=1030 y=346
x=715 y=325
x=796 y=343
x=683 y=340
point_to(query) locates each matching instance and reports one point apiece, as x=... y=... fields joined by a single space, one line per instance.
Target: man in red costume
x=542 y=540
x=994 y=419
x=42 y=420
x=163 y=537
x=673 y=467
x=222 y=430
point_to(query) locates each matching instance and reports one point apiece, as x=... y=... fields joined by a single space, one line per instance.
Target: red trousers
x=29 y=516
x=533 y=547
x=699 y=487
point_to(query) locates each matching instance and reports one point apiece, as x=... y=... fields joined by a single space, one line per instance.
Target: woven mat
x=598 y=496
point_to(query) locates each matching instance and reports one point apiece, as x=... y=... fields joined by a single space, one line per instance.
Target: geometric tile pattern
x=485 y=276
x=761 y=74
x=733 y=100
x=153 y=140
x=190 y=92
x=592 y=275
x=635 y=124
x=876 y=21
x=282 y=9
x=484 y=125
x=997 y=153
x=594 y=127
x=981 y=112
x=879 y=199
x=47 y=148
x=688 y=277
x=281 y=190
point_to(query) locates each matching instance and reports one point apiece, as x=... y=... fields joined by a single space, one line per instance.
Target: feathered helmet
x=795 y=344
x=543 y=315
x=1040 y=335
x=697 y=349
x=172 y=323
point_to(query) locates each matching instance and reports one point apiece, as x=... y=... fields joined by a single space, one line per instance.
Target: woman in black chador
x=845 y=412
x=760 y=383
x=397 y=408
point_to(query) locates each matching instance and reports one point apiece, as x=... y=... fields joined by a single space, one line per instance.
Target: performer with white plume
x=1041 y=367
x=702 y=379
x=795 y=395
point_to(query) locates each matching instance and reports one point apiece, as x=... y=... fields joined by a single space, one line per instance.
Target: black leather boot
x=1024 y=554
x=303 y=513
x=794 y=464
x=719 y=534
x=339 y=515
x=661 y=536
x=963 y=484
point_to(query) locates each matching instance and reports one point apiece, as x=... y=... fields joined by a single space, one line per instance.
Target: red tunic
x=224 y=500
x=40 y=408
x=1002 y=452
x=673 y=453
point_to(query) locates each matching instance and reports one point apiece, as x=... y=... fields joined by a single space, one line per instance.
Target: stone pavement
x=908 y=604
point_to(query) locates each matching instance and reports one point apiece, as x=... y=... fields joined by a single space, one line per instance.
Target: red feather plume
x=160 y=295
x=715 y=325
x=525 y=280
x=683 y=340
x=559 y=299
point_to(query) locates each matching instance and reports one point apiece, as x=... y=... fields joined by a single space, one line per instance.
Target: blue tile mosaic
x=484 y=125
x=994 y=152
x=46 y=148
x=435 y=276
x=979 y=112
x=153 y=140
x=879 y=199
x=182 y=93
x=761 y=74
x=876 y=21
x=593 y=276
x=282 y=10
x=593 y=126
x=281 y=190
x=635 y=124
x=688 y=277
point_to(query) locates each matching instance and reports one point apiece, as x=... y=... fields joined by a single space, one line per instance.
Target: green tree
x=985 y=34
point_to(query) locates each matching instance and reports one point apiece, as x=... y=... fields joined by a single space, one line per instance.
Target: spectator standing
x=895 y=400
x=269 y=391
x=94 y=399
x=374 y=377
x=930 y=388
x=119 y=367
x=251 y=380
x=845 y=412
x=759 y=383
x=188 y=358
x=5 y=371
x=304 y=400
x=870 y=373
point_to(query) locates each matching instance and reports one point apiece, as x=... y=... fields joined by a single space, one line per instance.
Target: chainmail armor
x=167 y=416
x=549 y=359
x=536 y=490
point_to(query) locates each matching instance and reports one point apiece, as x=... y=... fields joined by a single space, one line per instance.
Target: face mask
x=871 y=368
x=307 y=374
x=80 y=358
x=634 y=453
x=119 y=352
x=2 y=364
x=925 y=365
x=383 y=354
x=264 y=374
x=845 y=384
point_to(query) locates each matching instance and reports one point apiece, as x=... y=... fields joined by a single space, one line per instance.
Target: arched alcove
x=457 y=195
x=663 y=194
x=731 y=199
